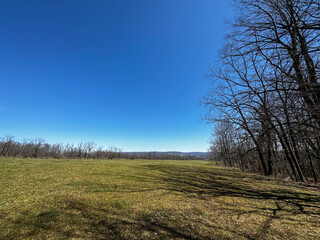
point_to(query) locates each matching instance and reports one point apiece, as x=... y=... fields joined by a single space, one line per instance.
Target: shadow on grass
x=75 y=218
x=229 y=182
x=79 y=220
x=288 y=200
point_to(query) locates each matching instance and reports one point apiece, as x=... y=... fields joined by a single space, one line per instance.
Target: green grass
x=144 y=199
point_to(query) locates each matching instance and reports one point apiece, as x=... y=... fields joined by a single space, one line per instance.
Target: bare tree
x=7 y=145
x=269 y=84
x=88 y=148
x=37 y=144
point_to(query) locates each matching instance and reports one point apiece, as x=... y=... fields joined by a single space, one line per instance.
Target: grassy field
x=147 y=199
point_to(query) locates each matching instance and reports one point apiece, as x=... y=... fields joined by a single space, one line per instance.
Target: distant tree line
x=39 y=148
x=265 y=104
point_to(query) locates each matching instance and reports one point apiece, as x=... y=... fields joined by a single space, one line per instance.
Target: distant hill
x=193 y=154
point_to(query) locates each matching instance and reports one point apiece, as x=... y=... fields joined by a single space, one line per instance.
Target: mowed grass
x=148 y=199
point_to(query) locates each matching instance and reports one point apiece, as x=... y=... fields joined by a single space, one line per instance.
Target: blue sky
x=124 y=73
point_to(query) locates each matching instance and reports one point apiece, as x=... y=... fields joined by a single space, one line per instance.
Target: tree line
x=39 y=148
x=265 y=104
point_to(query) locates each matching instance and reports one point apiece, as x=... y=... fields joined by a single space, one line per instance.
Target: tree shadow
x=76 y=218
x=289 y=200
x=229 y=182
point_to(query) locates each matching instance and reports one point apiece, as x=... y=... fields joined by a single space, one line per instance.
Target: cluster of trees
x=266 y=106
x=38 y=148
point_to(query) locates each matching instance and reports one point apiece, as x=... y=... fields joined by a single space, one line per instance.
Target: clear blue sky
x=124 y=73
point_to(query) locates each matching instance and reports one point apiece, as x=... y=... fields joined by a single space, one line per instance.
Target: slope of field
x=147 y=199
